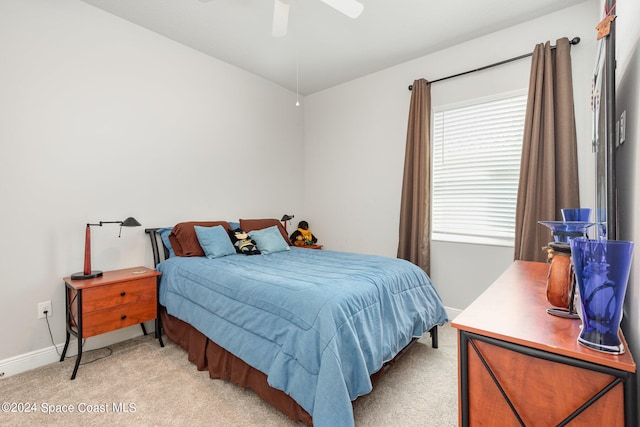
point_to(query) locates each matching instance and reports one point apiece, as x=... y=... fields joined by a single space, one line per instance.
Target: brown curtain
x=415 y=206
x=549 y=165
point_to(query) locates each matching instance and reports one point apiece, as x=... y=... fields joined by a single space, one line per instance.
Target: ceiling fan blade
x=351 y=8
x=280 y=18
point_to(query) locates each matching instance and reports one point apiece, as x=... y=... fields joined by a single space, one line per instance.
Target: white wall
x=91 y=103
x=102 y=119
x=355 y=139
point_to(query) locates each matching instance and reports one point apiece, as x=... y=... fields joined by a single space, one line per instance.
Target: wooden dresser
x=519 y=365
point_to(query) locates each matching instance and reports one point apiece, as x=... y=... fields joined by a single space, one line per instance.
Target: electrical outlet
x=42 y=307
x=623 y=126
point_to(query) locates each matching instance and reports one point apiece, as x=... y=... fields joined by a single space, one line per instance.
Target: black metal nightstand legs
x=158 y=310
x=71 y=321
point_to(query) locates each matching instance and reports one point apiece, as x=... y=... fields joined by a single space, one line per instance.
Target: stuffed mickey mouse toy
x=242 y=242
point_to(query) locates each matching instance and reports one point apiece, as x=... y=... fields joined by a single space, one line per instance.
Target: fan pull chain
x=297 y=81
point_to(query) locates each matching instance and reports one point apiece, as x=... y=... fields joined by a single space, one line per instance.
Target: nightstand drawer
x=118 y=294
x=101 y=321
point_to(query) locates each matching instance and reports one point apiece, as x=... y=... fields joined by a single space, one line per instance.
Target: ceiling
x=323 y=47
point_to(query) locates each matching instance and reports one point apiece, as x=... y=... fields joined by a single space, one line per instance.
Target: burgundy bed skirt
x=208 y=356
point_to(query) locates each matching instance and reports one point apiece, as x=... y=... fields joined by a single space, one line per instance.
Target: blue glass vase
x=576 y=214
x=564 y=231
x=602 y=270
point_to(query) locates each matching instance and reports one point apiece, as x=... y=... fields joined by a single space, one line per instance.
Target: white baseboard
x=452 y=313
x=37 y=358
x=34 y=359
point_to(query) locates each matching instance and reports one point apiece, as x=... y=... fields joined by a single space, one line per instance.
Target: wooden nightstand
x=314 y=246
x=115 y=300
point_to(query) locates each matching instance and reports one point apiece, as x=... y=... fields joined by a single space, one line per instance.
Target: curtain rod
x=575 y=40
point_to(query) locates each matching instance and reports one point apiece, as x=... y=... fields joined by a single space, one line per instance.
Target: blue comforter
x=318 y=323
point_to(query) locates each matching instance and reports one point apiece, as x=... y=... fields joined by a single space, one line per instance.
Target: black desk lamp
x=87 y=273
x=284 y=220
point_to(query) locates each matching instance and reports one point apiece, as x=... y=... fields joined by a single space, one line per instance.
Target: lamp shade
x=131 y=222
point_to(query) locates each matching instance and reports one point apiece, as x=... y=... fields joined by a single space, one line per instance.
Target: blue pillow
x=215 y=241
x=164 y=235
x=234 y=224
x=269 y=240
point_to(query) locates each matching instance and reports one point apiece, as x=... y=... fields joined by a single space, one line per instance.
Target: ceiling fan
x=351 y=8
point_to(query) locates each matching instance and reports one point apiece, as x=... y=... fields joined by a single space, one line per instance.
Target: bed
x=308 y=330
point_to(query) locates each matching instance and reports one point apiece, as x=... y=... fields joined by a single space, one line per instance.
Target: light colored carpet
x=160 y=387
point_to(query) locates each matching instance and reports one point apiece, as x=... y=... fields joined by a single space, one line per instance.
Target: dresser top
x=513 y=309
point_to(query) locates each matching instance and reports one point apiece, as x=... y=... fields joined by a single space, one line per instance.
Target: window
x=476 y=167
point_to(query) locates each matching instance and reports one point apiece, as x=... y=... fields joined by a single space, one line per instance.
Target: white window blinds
x=476 y=167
